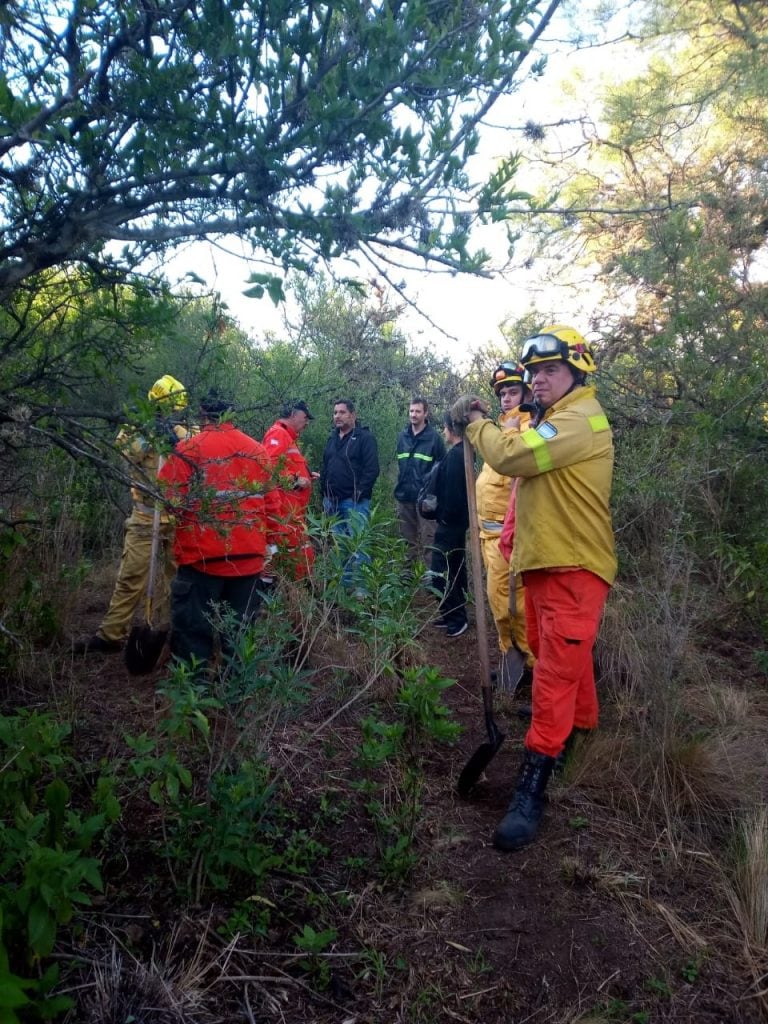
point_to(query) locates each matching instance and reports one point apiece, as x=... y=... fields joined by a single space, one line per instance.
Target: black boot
x=519 y=826
x=96 y=644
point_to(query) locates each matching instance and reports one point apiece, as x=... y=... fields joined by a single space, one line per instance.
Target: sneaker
x=96 y=645
x=439 y=624
x=457 y=630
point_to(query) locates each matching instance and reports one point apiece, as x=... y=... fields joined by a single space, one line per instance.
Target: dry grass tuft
x=175 y=986
x=746 y=885
x=649 y=646
x=604 y=875
x=687 y=938
x=439 y=897
x=706 y=773
x=124 y=989
x=749 y=893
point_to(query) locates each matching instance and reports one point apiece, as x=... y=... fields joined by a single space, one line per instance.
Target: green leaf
x=11 y=991
x=41 y=927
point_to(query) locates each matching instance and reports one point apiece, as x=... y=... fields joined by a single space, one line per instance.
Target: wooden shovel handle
x=153 y=549
x=476 y=562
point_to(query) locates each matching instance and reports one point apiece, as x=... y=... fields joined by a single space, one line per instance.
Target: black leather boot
x=519 y=826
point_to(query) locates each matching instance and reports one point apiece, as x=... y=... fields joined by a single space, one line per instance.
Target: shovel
x=485 y=753
x=144 y=644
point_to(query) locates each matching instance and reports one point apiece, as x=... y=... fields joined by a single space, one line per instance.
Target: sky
x=461 y=313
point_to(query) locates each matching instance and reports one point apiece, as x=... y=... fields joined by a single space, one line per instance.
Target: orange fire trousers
x=563 y=612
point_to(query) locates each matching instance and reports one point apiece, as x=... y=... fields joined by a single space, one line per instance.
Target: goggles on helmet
x=506 y=373
x=544 y=346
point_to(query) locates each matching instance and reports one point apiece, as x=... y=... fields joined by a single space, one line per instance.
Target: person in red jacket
x=295 y=552
x=219 y=487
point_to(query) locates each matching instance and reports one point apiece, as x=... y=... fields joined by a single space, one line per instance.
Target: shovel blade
x=511 y=669
x=142 y=649
x=476 y=765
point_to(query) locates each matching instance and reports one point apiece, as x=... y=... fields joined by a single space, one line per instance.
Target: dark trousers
x=449 y=573
x=194 y=599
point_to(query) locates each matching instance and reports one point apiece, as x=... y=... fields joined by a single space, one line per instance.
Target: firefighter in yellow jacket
x=564 y=549
x=140 y=449
x=493 y=492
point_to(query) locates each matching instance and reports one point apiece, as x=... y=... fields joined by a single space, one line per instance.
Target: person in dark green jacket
x=419 y=447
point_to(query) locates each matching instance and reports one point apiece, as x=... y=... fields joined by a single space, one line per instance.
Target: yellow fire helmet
x=169 y=391
x=558 y=341
x=507 y=373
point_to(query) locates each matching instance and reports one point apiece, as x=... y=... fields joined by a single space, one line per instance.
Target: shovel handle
x=476 y=561
x=153 y=549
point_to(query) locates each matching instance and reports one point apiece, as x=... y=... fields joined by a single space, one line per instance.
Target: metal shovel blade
x=143 y=647
x=482 y=757
x=511 y=669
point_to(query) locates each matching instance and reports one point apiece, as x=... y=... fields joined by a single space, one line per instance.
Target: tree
x=665 y=199
x=311 y=129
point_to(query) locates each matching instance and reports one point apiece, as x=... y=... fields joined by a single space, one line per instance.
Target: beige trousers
x=133 y=576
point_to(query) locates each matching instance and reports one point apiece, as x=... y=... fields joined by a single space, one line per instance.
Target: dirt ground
x=594 y=923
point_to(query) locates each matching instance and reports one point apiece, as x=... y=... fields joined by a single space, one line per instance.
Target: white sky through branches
x=461 y=313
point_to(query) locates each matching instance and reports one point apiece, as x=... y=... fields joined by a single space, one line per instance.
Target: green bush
x=46 y=868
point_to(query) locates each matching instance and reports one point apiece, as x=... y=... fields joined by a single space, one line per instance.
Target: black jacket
x=452 y=507
x=350 y=465
x=416 y=454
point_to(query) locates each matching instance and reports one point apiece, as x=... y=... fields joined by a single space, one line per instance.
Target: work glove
x=463 y=406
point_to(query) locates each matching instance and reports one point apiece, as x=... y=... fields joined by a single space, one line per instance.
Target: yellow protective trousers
x=133 y=575
x=510 y=628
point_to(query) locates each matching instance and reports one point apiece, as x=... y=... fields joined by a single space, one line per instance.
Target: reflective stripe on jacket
x=416 y=454
x=562 y=503
x=219 y=482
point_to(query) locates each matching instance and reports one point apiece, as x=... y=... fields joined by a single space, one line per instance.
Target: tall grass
x=685 y=744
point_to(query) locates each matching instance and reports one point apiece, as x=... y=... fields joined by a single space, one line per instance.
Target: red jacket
x=283 y=450
x=218 y=483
